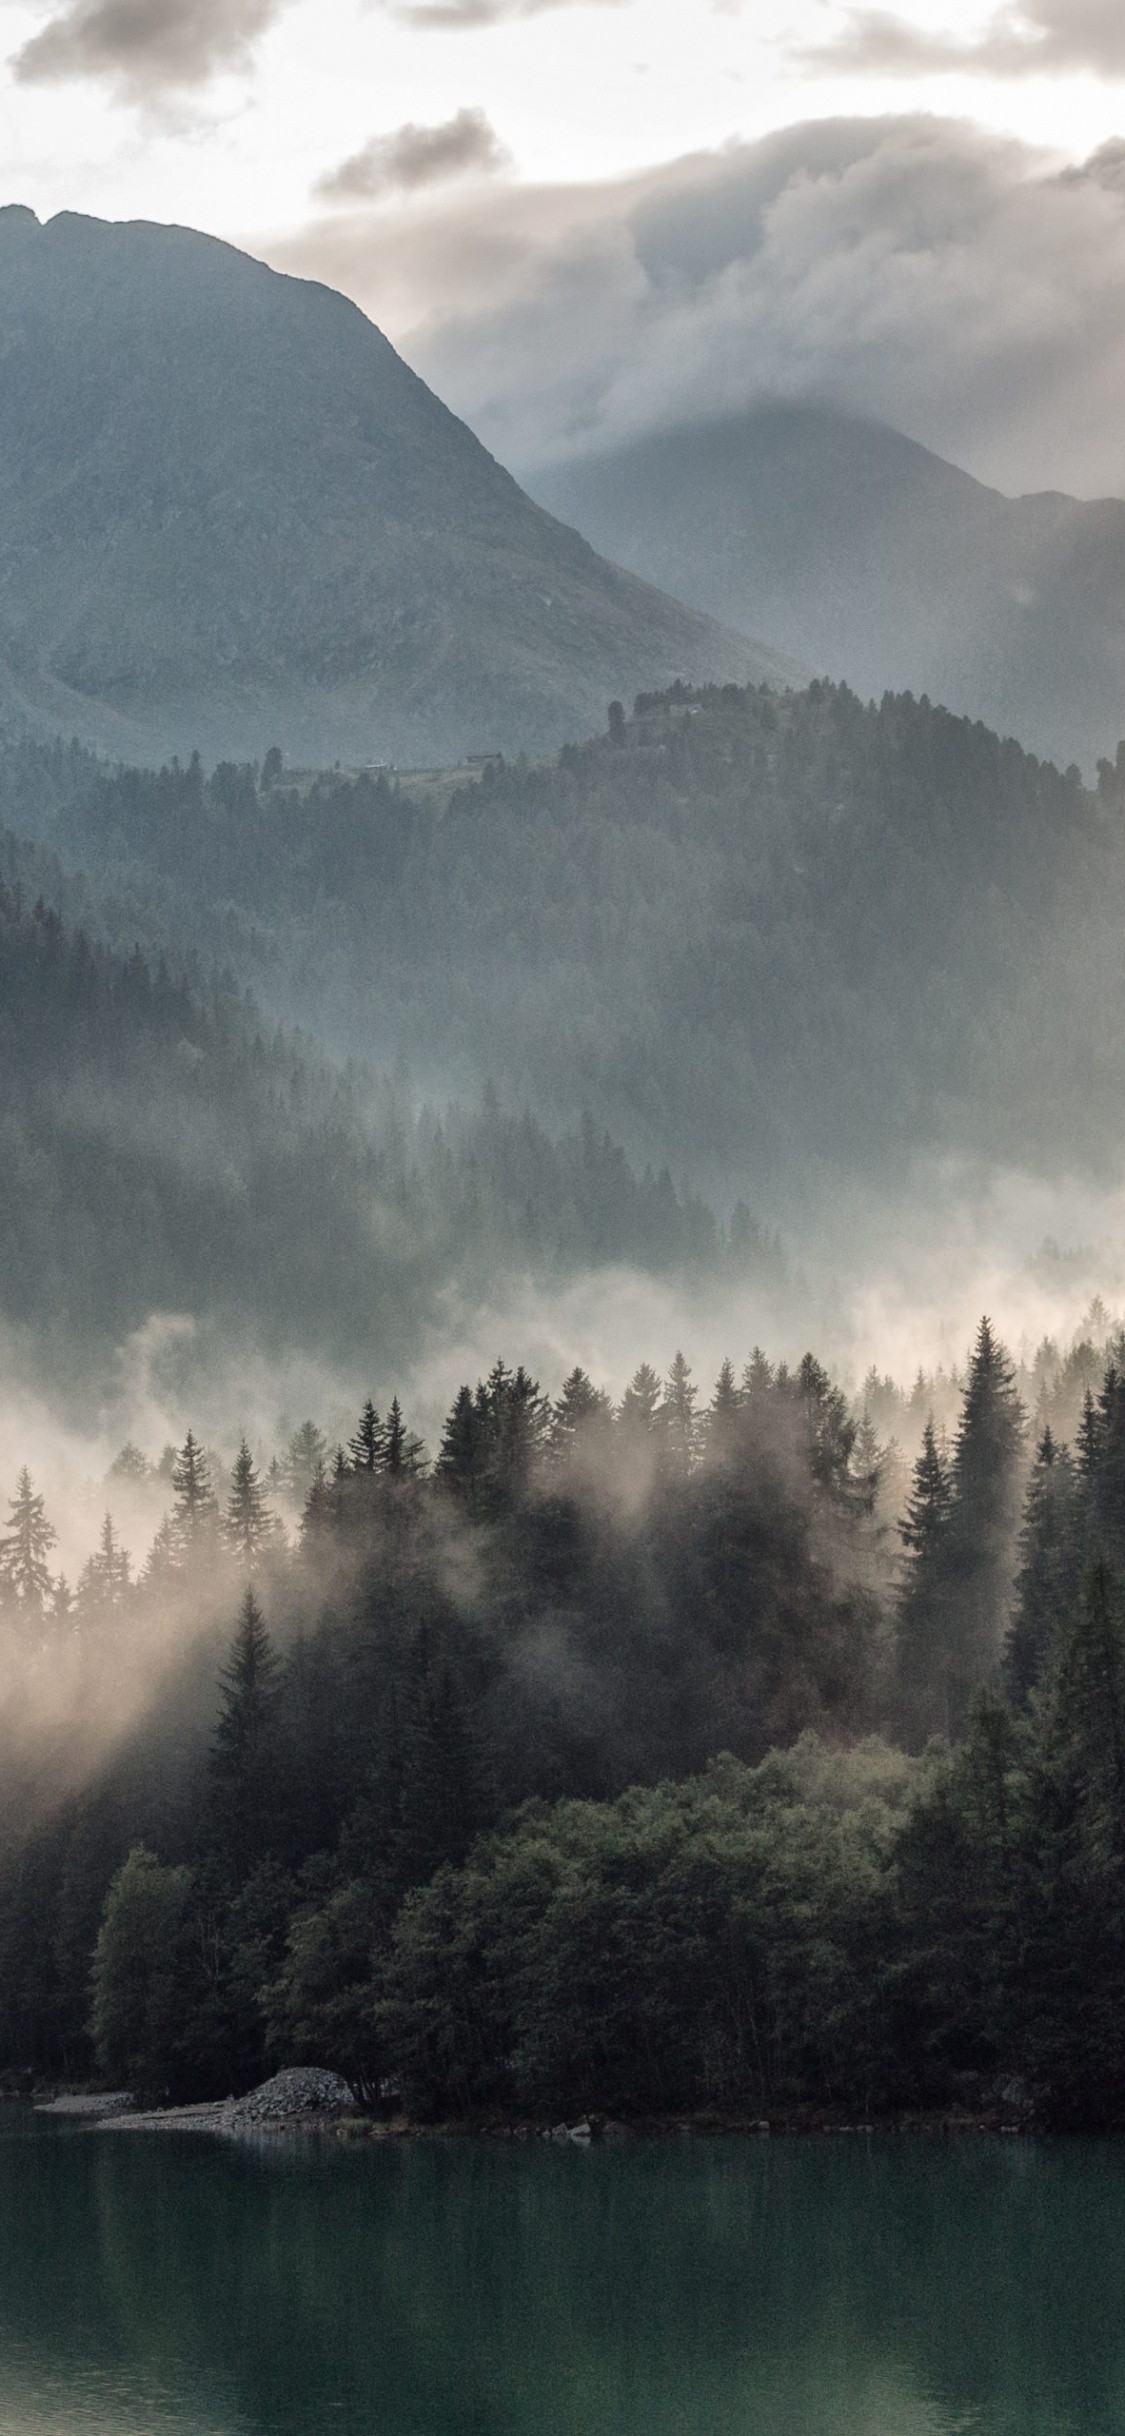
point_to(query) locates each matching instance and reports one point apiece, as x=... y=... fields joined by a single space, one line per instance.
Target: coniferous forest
x=699 y=1751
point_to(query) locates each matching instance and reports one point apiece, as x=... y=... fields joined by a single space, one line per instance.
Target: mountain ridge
x=231 y=514
x=878 y=562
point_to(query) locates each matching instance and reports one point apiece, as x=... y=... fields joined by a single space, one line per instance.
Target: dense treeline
x=741 y=926
x=163 y=1151
x=459 y=1823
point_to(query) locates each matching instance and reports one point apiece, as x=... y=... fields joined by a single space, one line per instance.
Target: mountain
x=231 y=515
x=764 y=939
x=868 y=557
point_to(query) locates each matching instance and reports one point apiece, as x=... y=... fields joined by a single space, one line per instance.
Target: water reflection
x=784 y=2288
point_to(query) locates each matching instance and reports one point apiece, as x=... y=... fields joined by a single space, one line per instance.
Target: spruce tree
x=244 y=1762
x=460 y=1444
x=922 y=1623
x=195 y=1515
x=983 y=1524
x=104 y=1582
x=248 y=1524
x=724 y=1414
x=404 y=1454
x=305 y=1459
x=367 y=1446
x=640 y=1404
x=680 y=1422
x=25 y=1578
x=1047 y=1583
x=582 y=1416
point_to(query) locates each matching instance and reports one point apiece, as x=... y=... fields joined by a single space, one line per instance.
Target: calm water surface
x=776 y=2288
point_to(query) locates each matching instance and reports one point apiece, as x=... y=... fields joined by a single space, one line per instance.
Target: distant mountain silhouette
x=872 y=559
x=230 y=514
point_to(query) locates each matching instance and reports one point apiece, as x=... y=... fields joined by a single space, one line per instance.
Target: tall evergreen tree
x=195 y=1516
x=305 y=1459
x=103 y=1584
x=922 y=1621
x=25 y=1578
x=680 y=1421
x=459 y=1450
x=404 y=1454
x=640 y=1404
x=983 y=1524
x=244 y=1762
x=582 y=1417
x=724 y=1414
x=1047 y=1584
x=248 y=1526
x=367 y=1446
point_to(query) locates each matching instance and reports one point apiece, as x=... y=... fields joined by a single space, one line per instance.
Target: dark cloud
x=146 y=47
x=1035 y=38
x=943 y=278
x=414 y=157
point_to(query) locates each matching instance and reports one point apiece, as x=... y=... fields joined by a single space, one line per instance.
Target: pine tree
x=724 y=1414
x=680 y=1432
x=244 y=1767
x=829 y=1430
x=582 y=1416
x=248 y=1524
x=923 y=1621
x=757 y=1378
x=1047 y=1584
x=459 y=1452
x=640 y=1404
x=25 y=1578
x=319 y=1517
x=195 y=1516
x=404 y=1454
x=983 y=1524
x=305 y=1459
x=62 y=1604
x=1106 y=1503
x=366 y=1448
x=104 y=1582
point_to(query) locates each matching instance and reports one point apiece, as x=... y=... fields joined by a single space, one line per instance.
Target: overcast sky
x=581 y=217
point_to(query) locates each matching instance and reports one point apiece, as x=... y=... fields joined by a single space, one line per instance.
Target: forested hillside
x=437 y=1795
x=162 y=1151
x=751 y=932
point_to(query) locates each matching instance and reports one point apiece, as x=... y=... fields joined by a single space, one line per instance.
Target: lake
x=849 y=2287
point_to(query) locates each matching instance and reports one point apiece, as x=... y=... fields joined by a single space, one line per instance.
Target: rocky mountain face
x=873 y=560
x=231 y=515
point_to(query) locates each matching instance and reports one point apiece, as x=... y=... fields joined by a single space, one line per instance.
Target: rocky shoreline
x=311 y=2099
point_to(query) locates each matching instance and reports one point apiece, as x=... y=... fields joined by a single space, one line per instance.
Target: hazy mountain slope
x=867 y=556
x=761 y=937
x=230 y=514
x=161 y=1155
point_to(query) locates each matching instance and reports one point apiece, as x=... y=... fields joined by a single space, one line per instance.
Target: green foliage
x=147 y=1978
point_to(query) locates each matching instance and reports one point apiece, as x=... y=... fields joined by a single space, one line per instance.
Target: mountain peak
x=230 y=512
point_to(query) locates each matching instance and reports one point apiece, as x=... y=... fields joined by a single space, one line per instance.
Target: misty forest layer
x=162 y=1153
x=752 y=933
x=475 y=1792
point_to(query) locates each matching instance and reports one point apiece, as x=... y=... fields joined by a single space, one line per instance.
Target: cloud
x=450 y=15
x=145 y=47
x=415 y=157
x=1035 y=38
x=925 y=271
